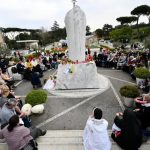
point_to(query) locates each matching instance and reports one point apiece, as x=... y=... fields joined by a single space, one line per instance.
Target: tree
x=58 y=34
x=88 y=30
x=126 y=20
x=124 y=34
x=147 y=43
x=99 y=33
x=106 y=30
x=23 y=36
x=143 y=10
x=55 y=26
x=146 y=11
x=140 y=10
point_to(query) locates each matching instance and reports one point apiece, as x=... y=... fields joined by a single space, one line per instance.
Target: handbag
x=32 y=145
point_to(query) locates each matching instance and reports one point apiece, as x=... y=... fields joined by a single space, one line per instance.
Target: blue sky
x=42 y=13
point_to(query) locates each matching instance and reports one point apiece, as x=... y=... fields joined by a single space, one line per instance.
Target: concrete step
x=60 y=147
x=67 y=140
x=60 y=140
x=79 y=147
x=64 y=133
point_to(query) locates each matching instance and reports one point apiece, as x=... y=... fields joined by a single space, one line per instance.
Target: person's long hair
x=13 y=122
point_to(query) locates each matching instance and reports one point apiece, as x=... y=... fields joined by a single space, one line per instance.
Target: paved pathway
x=71 y=113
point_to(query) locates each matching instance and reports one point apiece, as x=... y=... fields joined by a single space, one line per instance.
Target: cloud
x=37 y=13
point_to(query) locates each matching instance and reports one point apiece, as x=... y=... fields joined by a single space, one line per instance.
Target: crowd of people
x=125 y=60
x=16 y=125
x=128 y=128
x=131 y=127
x=122 y=59
x=30 y=68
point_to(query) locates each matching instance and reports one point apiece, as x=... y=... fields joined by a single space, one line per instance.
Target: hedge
x=36 y=97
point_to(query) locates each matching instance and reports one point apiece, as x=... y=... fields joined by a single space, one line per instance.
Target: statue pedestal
x=77 y=76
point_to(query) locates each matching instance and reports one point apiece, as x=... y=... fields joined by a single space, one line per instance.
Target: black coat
x=131 y=131
x=144 y=116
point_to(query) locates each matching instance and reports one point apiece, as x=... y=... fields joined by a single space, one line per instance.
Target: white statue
x=80 y=75
x=75 y=21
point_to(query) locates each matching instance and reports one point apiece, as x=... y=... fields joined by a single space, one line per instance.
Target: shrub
x=36 y=97
x=129 y=91
x=141 y=73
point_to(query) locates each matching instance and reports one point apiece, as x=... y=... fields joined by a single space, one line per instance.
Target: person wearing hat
x=95 y=135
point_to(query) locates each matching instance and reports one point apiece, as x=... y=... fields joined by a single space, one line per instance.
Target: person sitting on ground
x=34 y=62
x=45 y=62
x=3 y=98
x=6 y=93
x=28 y=64
x=95 y=135
x=27 y=74
x=127 y=130
x=38 y=70
x=1 y=80
x=2 y=102
x=9 y=81
x=131 y=64
x=143 y=112
x=146 y=87
x=3 y=64
x=11 y=62
x=35 y=79
x=19 y=137
x=9 y=109
x=121 y=61
x=20 y=67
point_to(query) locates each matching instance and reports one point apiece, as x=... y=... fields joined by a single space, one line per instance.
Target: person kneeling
x=127 y=130
x=95 y=133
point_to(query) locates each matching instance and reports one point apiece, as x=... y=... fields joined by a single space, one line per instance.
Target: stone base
x=82 y=93
x=77 y=76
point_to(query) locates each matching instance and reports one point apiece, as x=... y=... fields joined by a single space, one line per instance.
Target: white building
x=31 y=44
x=90 y=40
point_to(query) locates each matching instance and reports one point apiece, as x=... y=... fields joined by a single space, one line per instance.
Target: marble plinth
x=77 y=76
